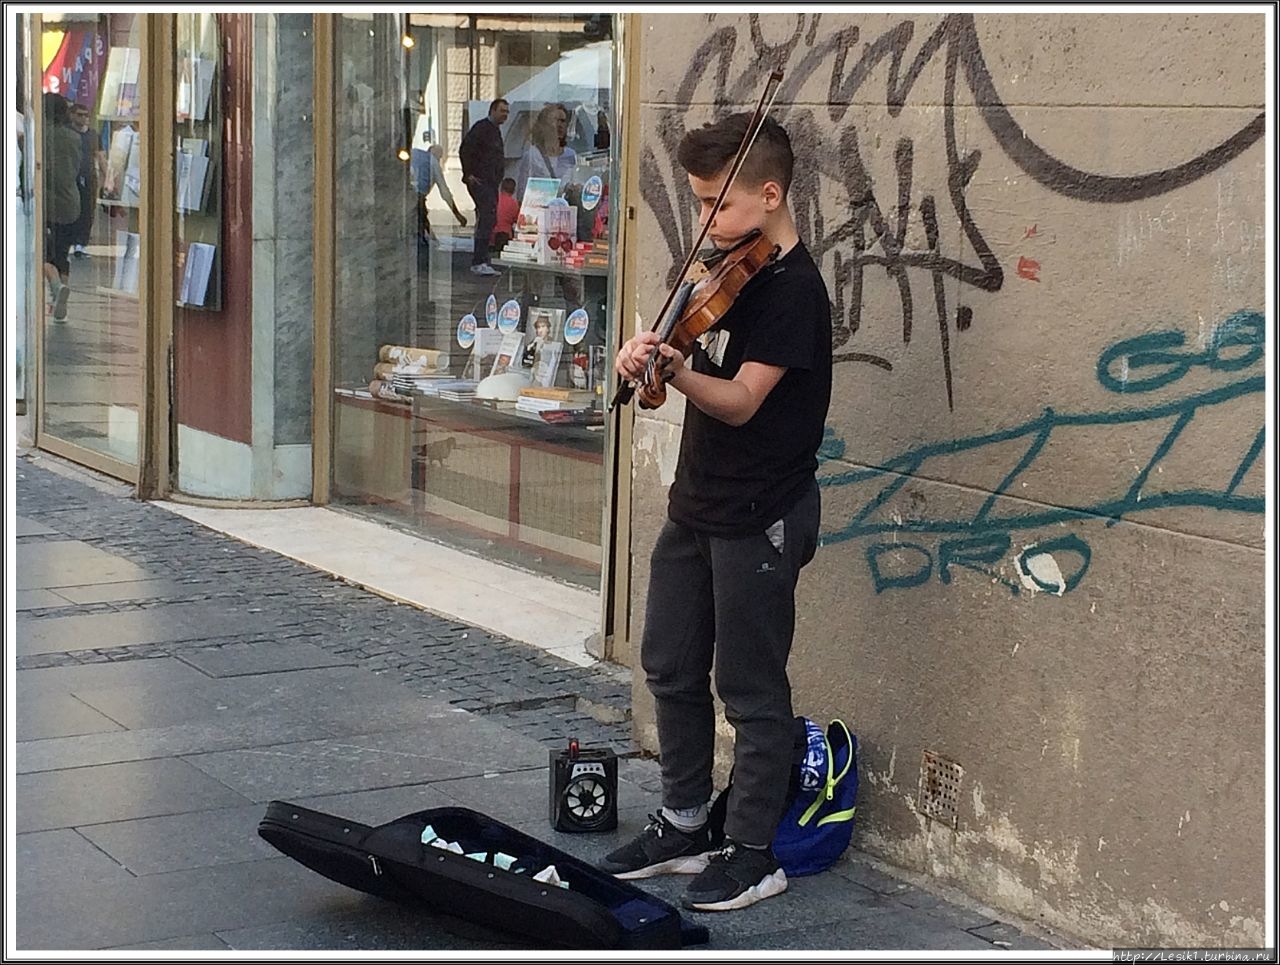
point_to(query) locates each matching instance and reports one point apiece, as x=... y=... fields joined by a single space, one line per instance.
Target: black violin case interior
x=390 y=860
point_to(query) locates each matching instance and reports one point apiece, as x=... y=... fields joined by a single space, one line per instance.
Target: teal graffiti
x=1135 y=365
x=1154 y=352
x=977 y=553
x=832 y=446
x=1070 y=543
x=919 y=576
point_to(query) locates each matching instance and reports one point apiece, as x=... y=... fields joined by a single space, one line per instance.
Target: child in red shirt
x=508 y=211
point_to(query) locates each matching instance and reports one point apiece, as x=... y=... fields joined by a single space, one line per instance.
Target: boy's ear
x=771 y=192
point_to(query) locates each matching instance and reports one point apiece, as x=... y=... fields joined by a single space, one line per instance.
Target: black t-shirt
x=737 y=481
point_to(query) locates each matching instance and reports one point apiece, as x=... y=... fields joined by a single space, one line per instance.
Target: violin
x=703 y=307
x=692 y=309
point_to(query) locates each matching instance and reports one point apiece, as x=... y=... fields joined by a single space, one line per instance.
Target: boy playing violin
x=743 y=517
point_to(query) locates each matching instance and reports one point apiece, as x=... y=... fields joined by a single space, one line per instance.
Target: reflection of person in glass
x=548 y=154
x=61 y=199
x=483 y=159
x=424 y=167
x=602 y=131
x=89 y=176
x=508 y=212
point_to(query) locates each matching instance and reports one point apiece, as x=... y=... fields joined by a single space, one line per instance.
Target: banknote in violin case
x=459 y=862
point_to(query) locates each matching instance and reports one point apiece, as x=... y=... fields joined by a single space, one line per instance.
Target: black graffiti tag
x=871 y=233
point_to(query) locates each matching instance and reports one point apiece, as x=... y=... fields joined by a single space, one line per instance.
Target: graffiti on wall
x=1131 y=368
x=873 y=233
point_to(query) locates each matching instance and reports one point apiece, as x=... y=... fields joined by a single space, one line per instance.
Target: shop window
x=473 y=271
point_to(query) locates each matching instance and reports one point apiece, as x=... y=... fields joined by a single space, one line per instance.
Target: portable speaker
x=584 y=789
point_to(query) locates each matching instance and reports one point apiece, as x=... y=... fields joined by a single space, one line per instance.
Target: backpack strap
x=849 y=762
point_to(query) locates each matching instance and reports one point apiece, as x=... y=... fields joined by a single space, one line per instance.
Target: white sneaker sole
x=775 y=884
x=691 y=864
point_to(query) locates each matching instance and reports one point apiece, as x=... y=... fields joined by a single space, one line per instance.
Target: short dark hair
x=707 y=151
x=495 y=102
x=55 y=108
x=508 y=185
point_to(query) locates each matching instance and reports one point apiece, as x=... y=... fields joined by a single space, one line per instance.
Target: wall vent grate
x=940 y=788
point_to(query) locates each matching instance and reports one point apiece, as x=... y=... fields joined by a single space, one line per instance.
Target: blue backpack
x=818 y=824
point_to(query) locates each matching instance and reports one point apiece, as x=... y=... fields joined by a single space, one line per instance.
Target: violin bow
x=626 y=389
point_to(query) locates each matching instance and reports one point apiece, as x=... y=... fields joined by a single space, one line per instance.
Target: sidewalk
x=171 y=681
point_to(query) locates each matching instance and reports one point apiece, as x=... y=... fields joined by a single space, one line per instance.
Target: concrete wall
x=1043 y=508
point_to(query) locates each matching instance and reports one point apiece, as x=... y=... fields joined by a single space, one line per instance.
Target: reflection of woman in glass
x=548 y=154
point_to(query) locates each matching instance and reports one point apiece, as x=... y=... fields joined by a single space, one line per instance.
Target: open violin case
x=596 y=910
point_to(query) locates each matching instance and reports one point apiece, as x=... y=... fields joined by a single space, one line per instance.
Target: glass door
x=93 y=178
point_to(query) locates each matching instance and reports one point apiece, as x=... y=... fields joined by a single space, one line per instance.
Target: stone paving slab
x=59 y=715
x=1009 y=937
x=118 y=592
x=38 y=600
x=88 y=915
x=113 y=792
x=377 y=806
x=175 y=842
x=188 y=943
x=166 y=742
x=26 y=526
x=247 y=659
x=375 y=925
x=164 y=624
x=886 y=929
x=45 y=565
x=298 y=692
x=154 y=675
x=360 y=762
x=46 y=859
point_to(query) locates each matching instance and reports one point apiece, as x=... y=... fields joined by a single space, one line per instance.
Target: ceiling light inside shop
x=402 y=154
x=407 y=41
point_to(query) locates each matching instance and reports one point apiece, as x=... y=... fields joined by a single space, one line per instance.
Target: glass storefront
x=474 y=182
x=92 y=182
x=473 y=199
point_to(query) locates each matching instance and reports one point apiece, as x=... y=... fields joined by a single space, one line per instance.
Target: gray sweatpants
x=733 y=599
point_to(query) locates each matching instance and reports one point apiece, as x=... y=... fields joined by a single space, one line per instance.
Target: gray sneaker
x=484 y=270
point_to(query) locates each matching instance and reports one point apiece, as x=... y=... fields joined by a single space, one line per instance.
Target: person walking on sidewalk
x=88 y=178
x=427 y=174
x=483 y=157
x=61 y=199
x=743 y=517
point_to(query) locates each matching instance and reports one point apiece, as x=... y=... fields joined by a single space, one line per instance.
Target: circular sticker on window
x=575 y=326
x=591 y=193
x=467 y=330
x=509 y=317
x=491 y=312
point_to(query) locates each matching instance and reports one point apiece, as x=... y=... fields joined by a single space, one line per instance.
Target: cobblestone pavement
x=529 y=691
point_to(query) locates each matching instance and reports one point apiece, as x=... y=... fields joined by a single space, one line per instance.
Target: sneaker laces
x=657 y=824
x=726 y=853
